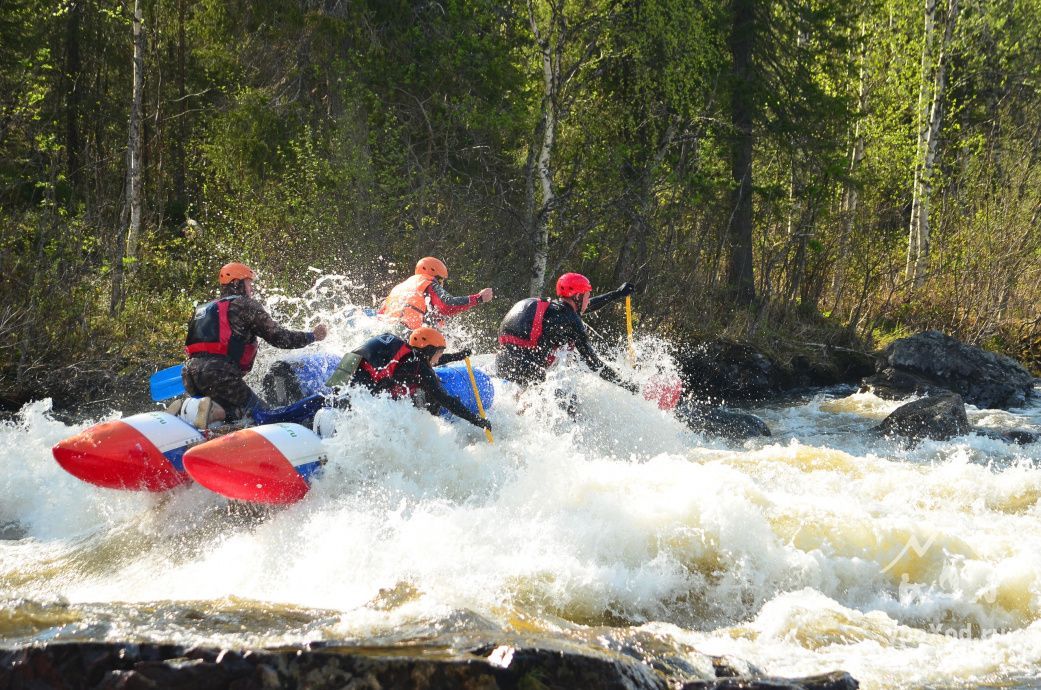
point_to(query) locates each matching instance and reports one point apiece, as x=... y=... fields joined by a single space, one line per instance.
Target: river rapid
x=821 y=548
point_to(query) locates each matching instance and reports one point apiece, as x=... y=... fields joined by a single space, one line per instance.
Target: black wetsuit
x=526 y=346
x=388 y=364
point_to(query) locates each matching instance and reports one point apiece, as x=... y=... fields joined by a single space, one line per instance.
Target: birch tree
x=566 y=38
x=930 y=114
x=128 y=247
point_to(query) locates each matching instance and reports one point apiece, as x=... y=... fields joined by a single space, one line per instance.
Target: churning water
x=820 y=548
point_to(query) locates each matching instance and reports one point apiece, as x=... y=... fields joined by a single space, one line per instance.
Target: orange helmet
x=432 y=268
x=236 y=271
x=425 y=336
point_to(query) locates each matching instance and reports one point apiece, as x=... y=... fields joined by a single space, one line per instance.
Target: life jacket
x=209 y=332
x=407 y=302
x=523 y=324
x=381 y=357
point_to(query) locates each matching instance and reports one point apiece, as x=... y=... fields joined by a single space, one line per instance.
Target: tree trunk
x=538 y=222
x=740 y=279
x=930 y=114
x=850 y=194
x=180 y=193
x=73 y=91
x=127 y=252
x=634 y=247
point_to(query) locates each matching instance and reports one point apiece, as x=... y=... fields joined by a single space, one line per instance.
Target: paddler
x=221 y=345
x=422 y=299
x=389 y=364
x=534 y=329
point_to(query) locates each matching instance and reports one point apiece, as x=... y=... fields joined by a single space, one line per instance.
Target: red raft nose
x=141 y=452
x=264 y=464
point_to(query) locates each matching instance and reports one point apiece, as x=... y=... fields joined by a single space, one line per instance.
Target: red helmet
x=432 y=268
x=571 y=284
x=235 y=271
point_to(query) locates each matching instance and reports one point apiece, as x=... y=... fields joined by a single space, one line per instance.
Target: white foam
x=822 y=547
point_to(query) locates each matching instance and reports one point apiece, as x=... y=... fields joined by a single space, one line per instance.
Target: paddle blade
x=166 y=383
x=665 y=391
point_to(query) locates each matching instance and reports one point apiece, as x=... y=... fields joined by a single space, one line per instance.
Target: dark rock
x=12 y=531
x=1020 y=437
x=896 y=384
x=938 y=417
x=146 y=666
x=716 y=421
x=828 y=681
x=829 y=367
x=982 y=378
x=723 y=370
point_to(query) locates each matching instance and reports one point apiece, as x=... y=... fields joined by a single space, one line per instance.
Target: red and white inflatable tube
x=141 y=452
x=264 y=464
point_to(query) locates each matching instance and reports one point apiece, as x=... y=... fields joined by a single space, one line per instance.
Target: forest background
x=776 y=171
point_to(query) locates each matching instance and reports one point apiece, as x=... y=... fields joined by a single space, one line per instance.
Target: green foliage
x=358 y=135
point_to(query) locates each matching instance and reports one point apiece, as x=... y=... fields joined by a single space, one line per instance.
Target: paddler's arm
x=433 y=388
x=449 y=357
x=447 y=305
x=585 y=349
x=264 y=326
x=603 y=300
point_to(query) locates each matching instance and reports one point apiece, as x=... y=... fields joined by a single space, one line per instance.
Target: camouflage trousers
x=221 y=380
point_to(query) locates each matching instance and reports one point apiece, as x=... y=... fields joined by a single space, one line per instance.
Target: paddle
x=629 y=329
x=166 y=383
x=477 y=397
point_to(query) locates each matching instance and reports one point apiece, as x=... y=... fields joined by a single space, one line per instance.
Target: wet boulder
x=724 y=370
x=1020 y=437
x=827 y=681
x=121 y=666
x=938 y=417
x=929 y=362
x=718 y=421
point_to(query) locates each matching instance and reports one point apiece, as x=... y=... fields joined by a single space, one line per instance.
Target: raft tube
x=272 y=464
x=142 y=452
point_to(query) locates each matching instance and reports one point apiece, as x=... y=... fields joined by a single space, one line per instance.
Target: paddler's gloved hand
x=485 y=424
x=450 y=357
x=626 y=289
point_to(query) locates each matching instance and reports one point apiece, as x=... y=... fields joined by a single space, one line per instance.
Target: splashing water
x=820 y=548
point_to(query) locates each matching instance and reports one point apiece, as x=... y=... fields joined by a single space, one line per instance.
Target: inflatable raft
x=270 y=463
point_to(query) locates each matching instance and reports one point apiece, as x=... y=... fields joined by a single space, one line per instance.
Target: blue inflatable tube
x=313 y=370
x=456 y=381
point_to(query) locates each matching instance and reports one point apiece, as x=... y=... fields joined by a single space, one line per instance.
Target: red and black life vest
x=381 y=357
x=209 y=332
x=522 y=326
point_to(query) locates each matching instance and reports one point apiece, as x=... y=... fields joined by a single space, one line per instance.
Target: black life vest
x=522 y=325
x=381 y=357
x=209 y=332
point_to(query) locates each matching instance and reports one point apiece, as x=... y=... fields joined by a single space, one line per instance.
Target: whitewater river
x=821 y=548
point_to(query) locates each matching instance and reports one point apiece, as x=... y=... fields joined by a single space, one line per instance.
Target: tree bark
x=538 y=221
x=740 y=279
x=850 y=194
x=127 y=253
x=73 y=97
x=930 y=111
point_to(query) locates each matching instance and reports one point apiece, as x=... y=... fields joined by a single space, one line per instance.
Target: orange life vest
x=407 y=302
